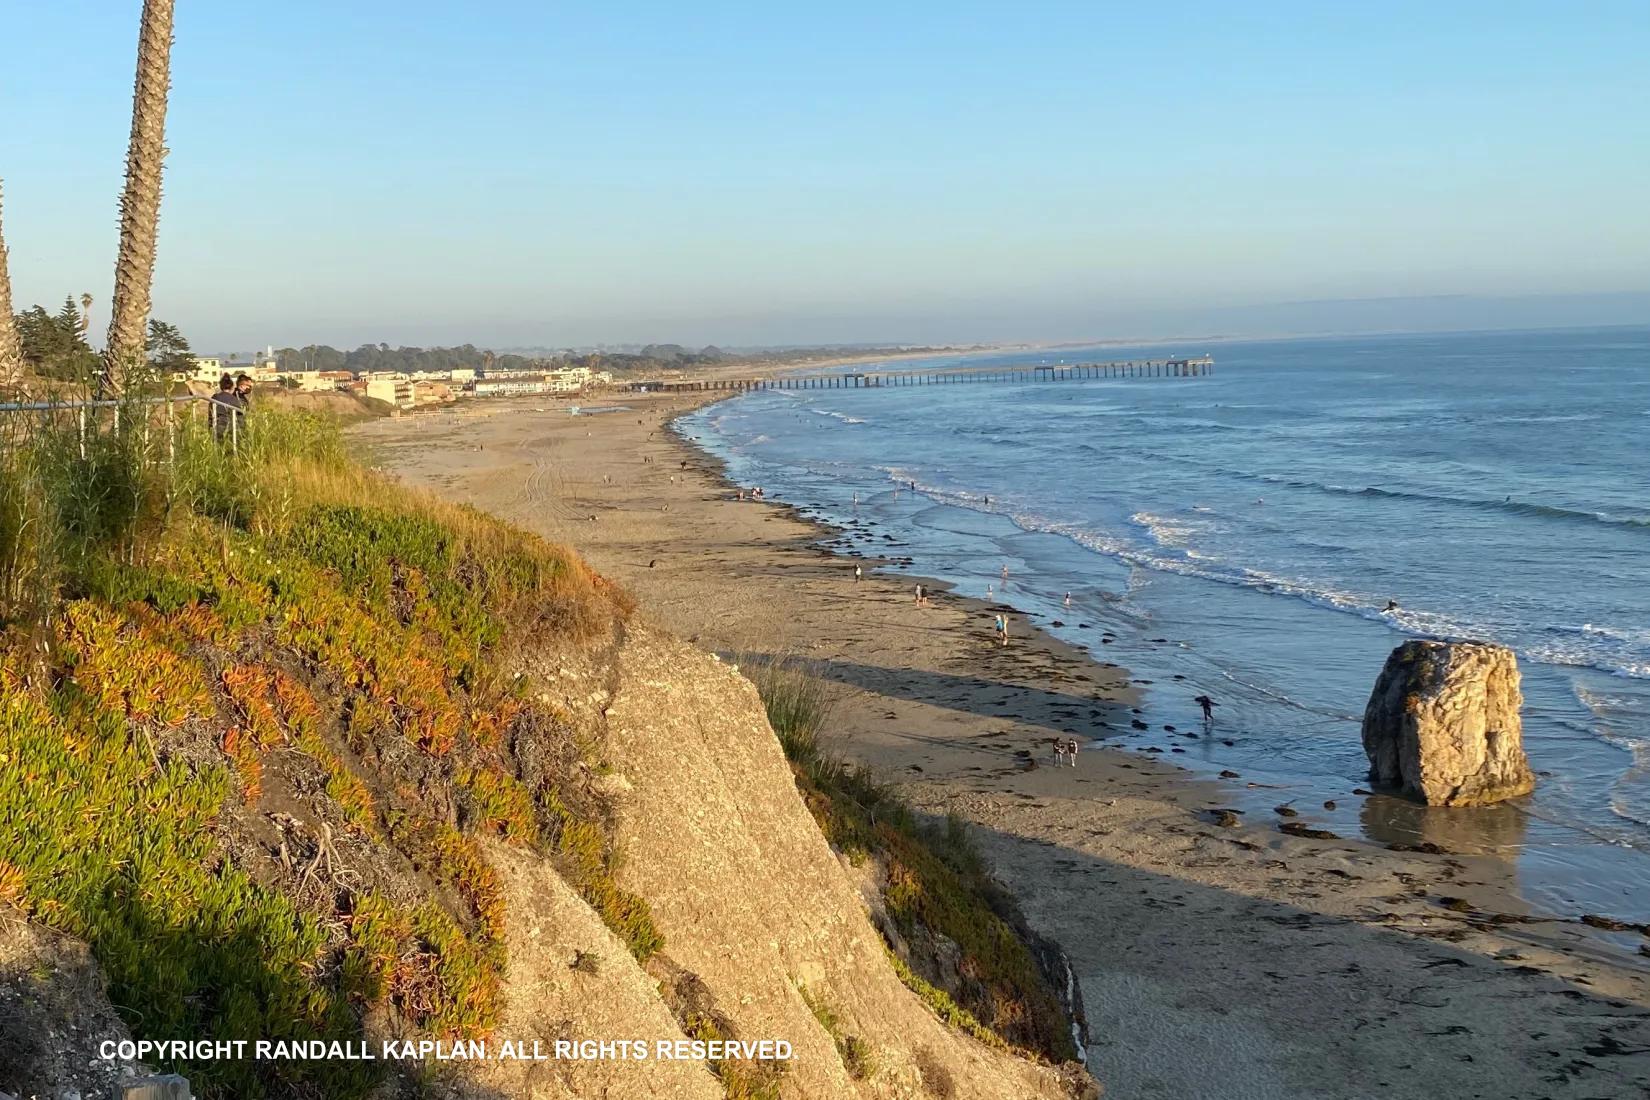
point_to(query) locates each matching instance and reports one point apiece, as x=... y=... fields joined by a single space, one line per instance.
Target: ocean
x=1240 y=535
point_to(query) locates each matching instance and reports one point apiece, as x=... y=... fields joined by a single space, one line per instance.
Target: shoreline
x=1205 y=951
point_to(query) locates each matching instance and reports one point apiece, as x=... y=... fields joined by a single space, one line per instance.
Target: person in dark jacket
x=222 y=409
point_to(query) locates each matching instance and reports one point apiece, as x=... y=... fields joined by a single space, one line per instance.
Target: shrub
x=117 y=848
x=935 y=884
x=798 y=704
x=183 y=629
x=857 y=1056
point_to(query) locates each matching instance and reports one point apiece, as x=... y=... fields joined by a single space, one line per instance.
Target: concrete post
x=166 y=1086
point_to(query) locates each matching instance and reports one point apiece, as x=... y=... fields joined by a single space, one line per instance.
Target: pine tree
x=169 y=352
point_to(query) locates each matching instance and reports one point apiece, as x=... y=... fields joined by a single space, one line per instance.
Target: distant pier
x=923 y=376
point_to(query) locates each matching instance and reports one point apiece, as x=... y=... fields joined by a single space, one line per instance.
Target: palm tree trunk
x=11 y=351
x=140 y=203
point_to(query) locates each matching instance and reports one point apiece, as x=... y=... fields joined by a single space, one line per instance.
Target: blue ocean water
x=1245 y=531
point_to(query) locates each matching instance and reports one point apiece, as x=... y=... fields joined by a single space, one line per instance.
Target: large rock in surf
x=1443 y=725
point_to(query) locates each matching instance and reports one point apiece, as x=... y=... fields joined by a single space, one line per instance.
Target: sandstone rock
x=1443 y=724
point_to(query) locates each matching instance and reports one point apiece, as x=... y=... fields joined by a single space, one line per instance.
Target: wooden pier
x=927 y=376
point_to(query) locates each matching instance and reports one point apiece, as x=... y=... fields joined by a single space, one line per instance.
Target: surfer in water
x=1391 y=606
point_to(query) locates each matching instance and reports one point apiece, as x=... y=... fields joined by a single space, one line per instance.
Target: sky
x=543 y=174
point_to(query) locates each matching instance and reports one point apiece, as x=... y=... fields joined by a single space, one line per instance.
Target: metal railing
x=212 y=411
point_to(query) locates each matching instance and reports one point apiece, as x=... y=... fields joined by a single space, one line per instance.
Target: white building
x=399 y=392
x=493 y=386
x=314 y=381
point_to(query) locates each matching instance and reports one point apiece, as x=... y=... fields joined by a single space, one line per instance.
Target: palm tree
x=11 y=351
x=140 y=202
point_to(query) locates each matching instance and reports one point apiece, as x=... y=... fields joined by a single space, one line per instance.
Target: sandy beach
x=1219 y=955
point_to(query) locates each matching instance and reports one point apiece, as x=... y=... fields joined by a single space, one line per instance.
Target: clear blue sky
x=543 y=173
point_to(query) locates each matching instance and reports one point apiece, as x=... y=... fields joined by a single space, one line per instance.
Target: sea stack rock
x=1443 y=725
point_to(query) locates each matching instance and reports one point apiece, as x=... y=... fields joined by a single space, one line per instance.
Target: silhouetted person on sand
x=1208 y=706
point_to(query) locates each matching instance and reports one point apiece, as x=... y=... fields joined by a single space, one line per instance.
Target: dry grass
x=285 y=624
x=546 y=573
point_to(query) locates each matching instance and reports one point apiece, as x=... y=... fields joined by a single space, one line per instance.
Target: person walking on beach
x=1068 y=601
x=859 y=573
x=1208 y=706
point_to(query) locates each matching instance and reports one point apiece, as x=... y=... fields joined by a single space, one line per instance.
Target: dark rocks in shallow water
x=1285 y=811
x=1230 y=774
x=1226 y=818
x=1442 y=724
x=1056 y=622
x=1329 y=805
x=1138 y=724
x=1426 y=846
x=1297 y=828
x=1611 y=924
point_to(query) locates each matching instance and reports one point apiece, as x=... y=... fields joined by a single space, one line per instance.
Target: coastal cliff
x=313 y=756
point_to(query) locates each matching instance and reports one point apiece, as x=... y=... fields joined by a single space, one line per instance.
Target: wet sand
x=1218 y=959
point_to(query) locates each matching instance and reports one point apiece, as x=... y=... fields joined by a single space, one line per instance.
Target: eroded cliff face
x=766 y=934
x=753 y=902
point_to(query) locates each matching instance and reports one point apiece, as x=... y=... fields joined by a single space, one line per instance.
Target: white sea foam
x=1168 y=552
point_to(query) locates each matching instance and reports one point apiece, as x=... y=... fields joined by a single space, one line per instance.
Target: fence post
x=82 y=418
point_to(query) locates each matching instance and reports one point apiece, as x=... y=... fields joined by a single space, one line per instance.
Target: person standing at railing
x=223 y=410
x=243 y=390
